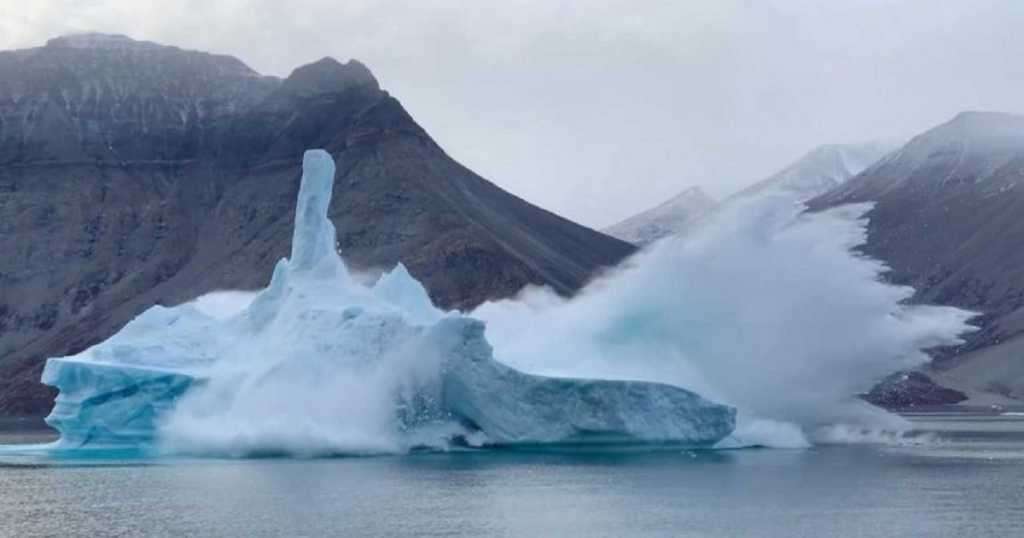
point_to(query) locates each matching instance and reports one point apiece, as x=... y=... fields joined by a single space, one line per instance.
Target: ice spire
x=313 y=241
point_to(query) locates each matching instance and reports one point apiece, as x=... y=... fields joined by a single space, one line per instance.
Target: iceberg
x=512 y=407
x=320 y=364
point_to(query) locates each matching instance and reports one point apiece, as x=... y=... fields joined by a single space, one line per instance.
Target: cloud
x=598 y=109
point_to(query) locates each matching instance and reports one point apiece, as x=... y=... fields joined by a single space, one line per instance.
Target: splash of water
x=764 y=307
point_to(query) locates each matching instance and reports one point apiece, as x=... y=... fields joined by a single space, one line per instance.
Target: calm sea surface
x=965 y=481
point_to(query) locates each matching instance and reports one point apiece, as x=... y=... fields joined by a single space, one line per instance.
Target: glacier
x=319 y=364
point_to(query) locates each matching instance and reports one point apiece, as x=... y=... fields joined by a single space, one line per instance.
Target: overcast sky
x=599 y=109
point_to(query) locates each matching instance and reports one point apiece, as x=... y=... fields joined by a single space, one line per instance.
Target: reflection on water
x=965 y=481
x=16 y=431
x=985 y=437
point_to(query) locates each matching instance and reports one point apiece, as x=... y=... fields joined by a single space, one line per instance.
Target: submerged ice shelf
x=318 y=363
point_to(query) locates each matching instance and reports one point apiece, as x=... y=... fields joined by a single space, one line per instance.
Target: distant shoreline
x=959 y=409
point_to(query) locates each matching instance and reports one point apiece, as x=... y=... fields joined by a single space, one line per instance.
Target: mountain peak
x=691 y=195
x=328 y=75
x=985 y=117
x=670 y=218
x=986 y=139
x=820 y=170
x=96 y=40
x=980 y=127
x=118 y=51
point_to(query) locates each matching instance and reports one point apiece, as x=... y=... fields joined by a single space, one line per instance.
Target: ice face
x=511 y=407
x=110 y=406
x=319 y=364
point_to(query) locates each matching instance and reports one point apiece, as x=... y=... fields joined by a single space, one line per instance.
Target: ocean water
x=962 y=476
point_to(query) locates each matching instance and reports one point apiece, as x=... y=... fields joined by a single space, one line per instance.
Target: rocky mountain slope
x=134 y=174
x=948 y=218
x=670 y=218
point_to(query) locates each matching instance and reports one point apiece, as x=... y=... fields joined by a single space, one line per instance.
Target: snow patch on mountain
x=669 y=218
x=823 y=169
x=816 y=173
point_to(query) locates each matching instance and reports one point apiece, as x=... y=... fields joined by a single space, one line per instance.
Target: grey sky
x=598 y=109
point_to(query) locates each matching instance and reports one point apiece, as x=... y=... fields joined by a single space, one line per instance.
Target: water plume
x=764 y=307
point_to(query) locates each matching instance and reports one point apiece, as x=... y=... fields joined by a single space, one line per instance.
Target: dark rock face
x=108 y=98
x=948 y=219
x=133 y=174
x=912 y=389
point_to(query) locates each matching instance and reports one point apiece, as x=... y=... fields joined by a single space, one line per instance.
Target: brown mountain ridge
x=135 y=174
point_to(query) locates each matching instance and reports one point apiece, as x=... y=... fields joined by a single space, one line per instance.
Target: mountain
x=816 y=173
x=823 y=169
x=947 y=221
x=669 y=218
x=134 y=174
x=947 y=218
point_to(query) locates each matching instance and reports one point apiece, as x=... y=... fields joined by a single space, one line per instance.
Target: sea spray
x=763 y=306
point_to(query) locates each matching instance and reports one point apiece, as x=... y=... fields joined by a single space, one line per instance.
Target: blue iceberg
x=319 y=364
